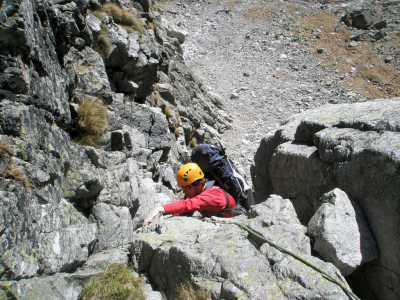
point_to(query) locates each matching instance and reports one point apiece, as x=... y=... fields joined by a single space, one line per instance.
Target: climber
x=216 y=165
x=200 y=195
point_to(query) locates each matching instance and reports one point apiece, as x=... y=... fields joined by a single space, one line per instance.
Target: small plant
x=115 y=283
x=9 y=170
x=5 y=150
x=81 y=68
x=19 y=175
x=5 y=293
x=93 y=121
x=121 y=17
x=169 y=110
x=152 y=24
x=188 y=292
x=103 y=43
x=177 y=132
x=157 y=99
x=193 y=143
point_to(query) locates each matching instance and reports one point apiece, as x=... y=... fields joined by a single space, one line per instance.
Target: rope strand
x=308 y=263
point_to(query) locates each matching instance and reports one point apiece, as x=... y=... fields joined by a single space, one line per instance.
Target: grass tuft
x=103 y=43
x=9 y=170
x=5 y=150
x=188 y=292
x=169 y=109
x=18 y=175
x=122 y=17
x=81 y=68
x=115 y=283
x=93 y=121
x=177 y=132
x=193 y=143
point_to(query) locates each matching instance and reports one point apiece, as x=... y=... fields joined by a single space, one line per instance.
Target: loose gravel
x=260 y=66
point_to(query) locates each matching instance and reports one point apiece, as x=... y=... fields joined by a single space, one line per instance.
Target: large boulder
x=353 y=147
x=232 y=263
x=341 y=233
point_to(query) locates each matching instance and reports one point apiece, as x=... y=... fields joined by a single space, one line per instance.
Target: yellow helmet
x=188 y=174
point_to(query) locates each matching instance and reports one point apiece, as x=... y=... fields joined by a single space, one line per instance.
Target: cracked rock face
x=231 y=262
x=351 y=147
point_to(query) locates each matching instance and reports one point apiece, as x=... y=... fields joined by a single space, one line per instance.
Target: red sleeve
x=211 y=200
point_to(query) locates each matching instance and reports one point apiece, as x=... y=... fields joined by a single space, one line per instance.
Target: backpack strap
x=222 y=212
x=237 y=209
x=227 y=199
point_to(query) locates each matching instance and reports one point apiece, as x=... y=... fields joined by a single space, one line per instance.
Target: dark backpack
x=216 y=165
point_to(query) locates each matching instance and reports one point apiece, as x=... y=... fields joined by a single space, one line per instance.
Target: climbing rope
x=308 y=263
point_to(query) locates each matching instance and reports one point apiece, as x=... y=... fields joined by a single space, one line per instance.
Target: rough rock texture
x=341 y=233
x=229 y=261
x=351 y=147
x=60 y=200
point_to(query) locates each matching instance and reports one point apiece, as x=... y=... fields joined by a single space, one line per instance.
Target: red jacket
x=210 y=201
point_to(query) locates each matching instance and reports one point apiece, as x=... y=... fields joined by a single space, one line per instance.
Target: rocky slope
x=262 y=57
x=68 y=208
x=97 y=112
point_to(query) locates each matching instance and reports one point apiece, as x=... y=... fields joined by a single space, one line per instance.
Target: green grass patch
x=115 y=283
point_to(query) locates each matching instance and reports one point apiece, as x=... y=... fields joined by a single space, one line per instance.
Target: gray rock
x=217 y=100
x=341 y=233
x=147 y=198
x=353 y=44
x=59 y=238
x=127 y=86
x=150 y=293
x=380 y=24
x=350 y=147
x=166 y=91
x=102 y=258
x=114 y=226
x=94 y=25
x=91 y=75
x=362 y=19
x=180 y=248
x=174 y=31
x=59 y=286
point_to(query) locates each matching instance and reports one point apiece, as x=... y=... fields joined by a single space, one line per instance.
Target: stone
x=353 y=147
x=341 y=233
x=362 y=19
x=353 y=44
x=114 y=226
x=102 y=258
x=380 y=24
x=213 y=253
x=65 y=284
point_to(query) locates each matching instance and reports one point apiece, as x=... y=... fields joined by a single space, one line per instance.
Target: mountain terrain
x=263 y=58
x=102 y=102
